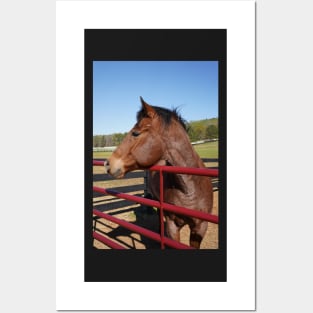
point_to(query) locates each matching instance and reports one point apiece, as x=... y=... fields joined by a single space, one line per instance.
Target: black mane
x=165 y=115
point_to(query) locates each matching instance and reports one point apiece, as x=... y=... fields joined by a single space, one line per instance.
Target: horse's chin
x=117 y=174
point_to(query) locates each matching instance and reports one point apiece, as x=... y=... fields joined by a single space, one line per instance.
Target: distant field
x=205 y=150
x=101 y=154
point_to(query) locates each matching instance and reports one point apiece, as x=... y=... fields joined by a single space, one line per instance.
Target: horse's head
x=142 y=147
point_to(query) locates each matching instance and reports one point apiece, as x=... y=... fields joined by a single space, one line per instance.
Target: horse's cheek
x=148 y=154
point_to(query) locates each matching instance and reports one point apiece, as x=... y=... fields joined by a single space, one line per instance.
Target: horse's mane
x=165 y=115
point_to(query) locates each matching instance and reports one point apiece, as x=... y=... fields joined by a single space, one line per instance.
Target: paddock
x=120 y=223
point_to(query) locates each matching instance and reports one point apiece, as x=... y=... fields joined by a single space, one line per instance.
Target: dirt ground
x=141 y=216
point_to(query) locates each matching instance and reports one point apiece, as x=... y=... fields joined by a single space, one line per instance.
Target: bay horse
x=160 y=138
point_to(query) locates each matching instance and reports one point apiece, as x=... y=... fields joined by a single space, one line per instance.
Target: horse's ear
x=147 y=108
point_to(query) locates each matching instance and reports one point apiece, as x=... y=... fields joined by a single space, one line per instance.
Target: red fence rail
x=161 y=205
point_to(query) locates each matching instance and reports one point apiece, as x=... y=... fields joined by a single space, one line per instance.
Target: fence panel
x=122 y=193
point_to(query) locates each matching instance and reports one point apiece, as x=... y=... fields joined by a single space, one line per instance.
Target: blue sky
x=192 y=86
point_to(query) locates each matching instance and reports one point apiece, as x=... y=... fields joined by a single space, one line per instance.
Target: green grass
x=205 y=150
x=101 y=155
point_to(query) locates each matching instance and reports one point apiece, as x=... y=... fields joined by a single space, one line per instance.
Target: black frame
x=155 y=265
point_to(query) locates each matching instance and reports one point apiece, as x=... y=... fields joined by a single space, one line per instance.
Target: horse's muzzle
x=117 y=173
x=115 y=168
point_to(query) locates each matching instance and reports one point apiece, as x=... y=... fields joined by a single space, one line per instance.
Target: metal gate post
x=146 y=178
x=161 y=209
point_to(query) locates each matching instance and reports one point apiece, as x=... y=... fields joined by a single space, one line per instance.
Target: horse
x=160 y=138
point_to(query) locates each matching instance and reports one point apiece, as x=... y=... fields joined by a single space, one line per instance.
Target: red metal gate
x=161 y=205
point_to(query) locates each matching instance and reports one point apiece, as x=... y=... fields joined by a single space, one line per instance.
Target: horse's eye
x=135 y=133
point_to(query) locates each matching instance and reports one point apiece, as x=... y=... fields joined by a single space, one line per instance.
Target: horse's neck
x=181 y=153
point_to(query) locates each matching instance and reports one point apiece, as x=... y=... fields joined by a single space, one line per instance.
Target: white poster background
x=238 y=293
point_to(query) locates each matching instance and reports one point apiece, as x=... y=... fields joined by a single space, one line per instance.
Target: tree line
x=108 y=140
x=197 y=130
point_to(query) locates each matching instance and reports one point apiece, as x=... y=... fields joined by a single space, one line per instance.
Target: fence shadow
x=146 y=217
x=108 y=204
